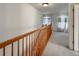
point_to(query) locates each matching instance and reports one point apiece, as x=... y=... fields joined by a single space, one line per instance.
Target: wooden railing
x=35 y=42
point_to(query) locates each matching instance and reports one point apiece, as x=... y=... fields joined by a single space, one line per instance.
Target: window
x=62 y=23
x=46 y=20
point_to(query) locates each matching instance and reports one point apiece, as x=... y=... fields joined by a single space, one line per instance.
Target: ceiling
x=54 y=8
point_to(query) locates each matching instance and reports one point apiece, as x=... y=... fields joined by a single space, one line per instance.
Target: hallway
x=53 y=49
x=30 y=26
x=60 y=38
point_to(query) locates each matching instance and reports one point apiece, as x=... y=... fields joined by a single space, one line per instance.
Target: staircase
x=33 y=43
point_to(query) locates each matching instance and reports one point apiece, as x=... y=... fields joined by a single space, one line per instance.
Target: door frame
x=76 y=18
x=73 y=26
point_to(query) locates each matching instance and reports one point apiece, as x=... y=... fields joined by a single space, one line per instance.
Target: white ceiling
x=54 y=8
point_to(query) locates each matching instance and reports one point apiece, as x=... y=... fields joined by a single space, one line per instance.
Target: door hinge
x=73 y=26
x=73 y=42
x=73 y=9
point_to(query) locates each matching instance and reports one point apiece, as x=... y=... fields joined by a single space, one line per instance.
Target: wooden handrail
x=5 y=43
x=17 y=38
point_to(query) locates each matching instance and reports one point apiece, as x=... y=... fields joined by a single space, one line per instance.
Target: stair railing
x=33 y=43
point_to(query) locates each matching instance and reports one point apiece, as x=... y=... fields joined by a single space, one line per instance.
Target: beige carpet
x=57 y=46
x=57 y=50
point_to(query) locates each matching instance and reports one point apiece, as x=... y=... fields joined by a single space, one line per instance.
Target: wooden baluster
x=32 y=53
x=4 y=51
x=32 y=44
x=35 y=42
x=18 y=47
x=23 y=47
x=12 y=49
x=29 y=45
x=26 y=47
x=34 y=38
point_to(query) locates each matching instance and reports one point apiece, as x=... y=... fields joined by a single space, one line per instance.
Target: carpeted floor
x=57 y=46
x=60 y=38
x=57 y=50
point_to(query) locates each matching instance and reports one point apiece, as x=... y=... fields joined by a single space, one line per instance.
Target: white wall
x=17 y=19
x=54 y=22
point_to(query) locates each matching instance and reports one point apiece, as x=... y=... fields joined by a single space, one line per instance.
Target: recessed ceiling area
x=53 y=8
